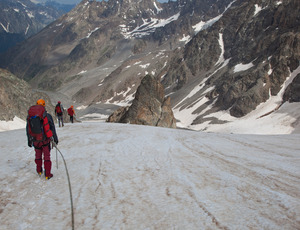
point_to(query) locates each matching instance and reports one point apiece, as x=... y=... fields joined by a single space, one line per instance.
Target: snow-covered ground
x=137 y=177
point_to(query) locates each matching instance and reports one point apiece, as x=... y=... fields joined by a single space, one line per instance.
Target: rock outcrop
x=149 y=107
x=292 y=93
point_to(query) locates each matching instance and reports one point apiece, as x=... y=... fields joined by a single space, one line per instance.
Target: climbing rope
x=56 y=159
x=70 y=189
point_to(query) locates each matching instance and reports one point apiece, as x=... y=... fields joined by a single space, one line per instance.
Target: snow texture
x=137 y=177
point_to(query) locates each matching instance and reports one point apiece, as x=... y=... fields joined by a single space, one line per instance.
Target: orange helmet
x=72 y=106
x=41 y=102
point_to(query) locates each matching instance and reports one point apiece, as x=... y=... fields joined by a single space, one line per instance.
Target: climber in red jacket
x=71 y=113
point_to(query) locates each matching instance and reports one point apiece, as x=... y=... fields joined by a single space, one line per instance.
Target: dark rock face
x=148 y=108
x=292 y=93
x=260 y=41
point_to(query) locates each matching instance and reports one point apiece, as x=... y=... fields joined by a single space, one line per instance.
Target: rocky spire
x=149 y=107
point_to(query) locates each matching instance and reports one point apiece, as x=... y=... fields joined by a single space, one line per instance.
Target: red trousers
x=43 y=148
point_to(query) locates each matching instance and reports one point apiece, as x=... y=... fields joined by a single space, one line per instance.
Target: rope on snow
x=56 y=159
x=70 y=189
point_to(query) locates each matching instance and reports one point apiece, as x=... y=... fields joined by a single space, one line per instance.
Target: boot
x=49 y=177
x=39 y=168
x=40 y=172
x=47 y=165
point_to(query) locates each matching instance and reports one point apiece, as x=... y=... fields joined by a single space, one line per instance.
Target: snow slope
x=138 y=177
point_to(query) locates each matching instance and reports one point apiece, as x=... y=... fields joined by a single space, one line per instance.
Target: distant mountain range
x=64 y=8
x=211 y=56
x=20 y=19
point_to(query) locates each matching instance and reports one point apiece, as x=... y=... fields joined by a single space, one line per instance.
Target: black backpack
x=35 y=120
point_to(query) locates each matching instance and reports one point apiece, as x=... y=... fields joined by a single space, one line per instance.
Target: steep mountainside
x=98 y=39
x=20 y=19
x=210 y=55
x=238 y=62
x=16 y=96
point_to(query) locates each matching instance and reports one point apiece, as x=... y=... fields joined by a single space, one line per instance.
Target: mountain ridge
x=21 y=19
x=229 y=56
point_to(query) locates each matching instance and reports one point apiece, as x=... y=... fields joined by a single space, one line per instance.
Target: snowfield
x=136 y=177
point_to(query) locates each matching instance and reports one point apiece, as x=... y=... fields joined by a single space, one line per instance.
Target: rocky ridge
x=210 y=56
x=94 y=33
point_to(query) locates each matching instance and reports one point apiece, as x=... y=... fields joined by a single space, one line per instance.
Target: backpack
x=58 y=109
x=38 y=126
x=70 y=111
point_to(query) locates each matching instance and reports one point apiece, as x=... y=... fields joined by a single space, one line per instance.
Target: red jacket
x=71 y=111
x=49 y=129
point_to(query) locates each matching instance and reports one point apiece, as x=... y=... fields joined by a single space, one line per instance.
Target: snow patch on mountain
x=16 y=123
x=22 y=4
x=157 y=8
x=148 y=27
x=145 y=65
x=94 y=30
x=242 y=67
x=30 y=14
x=5 y=28
x=257 y=9
x=126 y=96
x=275 y=123
x=94 y=116
x=185 y=38
x=82 y=107
x=27 y=28
x=221 y=43
x=204 y=25
x=82 y=72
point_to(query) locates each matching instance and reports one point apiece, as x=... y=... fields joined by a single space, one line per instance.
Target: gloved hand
x=56 y=141
x=29 y=144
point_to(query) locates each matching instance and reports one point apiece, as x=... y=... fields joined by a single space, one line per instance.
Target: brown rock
x=148 y=108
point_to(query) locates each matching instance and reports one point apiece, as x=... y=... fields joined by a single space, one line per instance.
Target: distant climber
x=40 y=130
x=59 y=109
x=71 y=113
